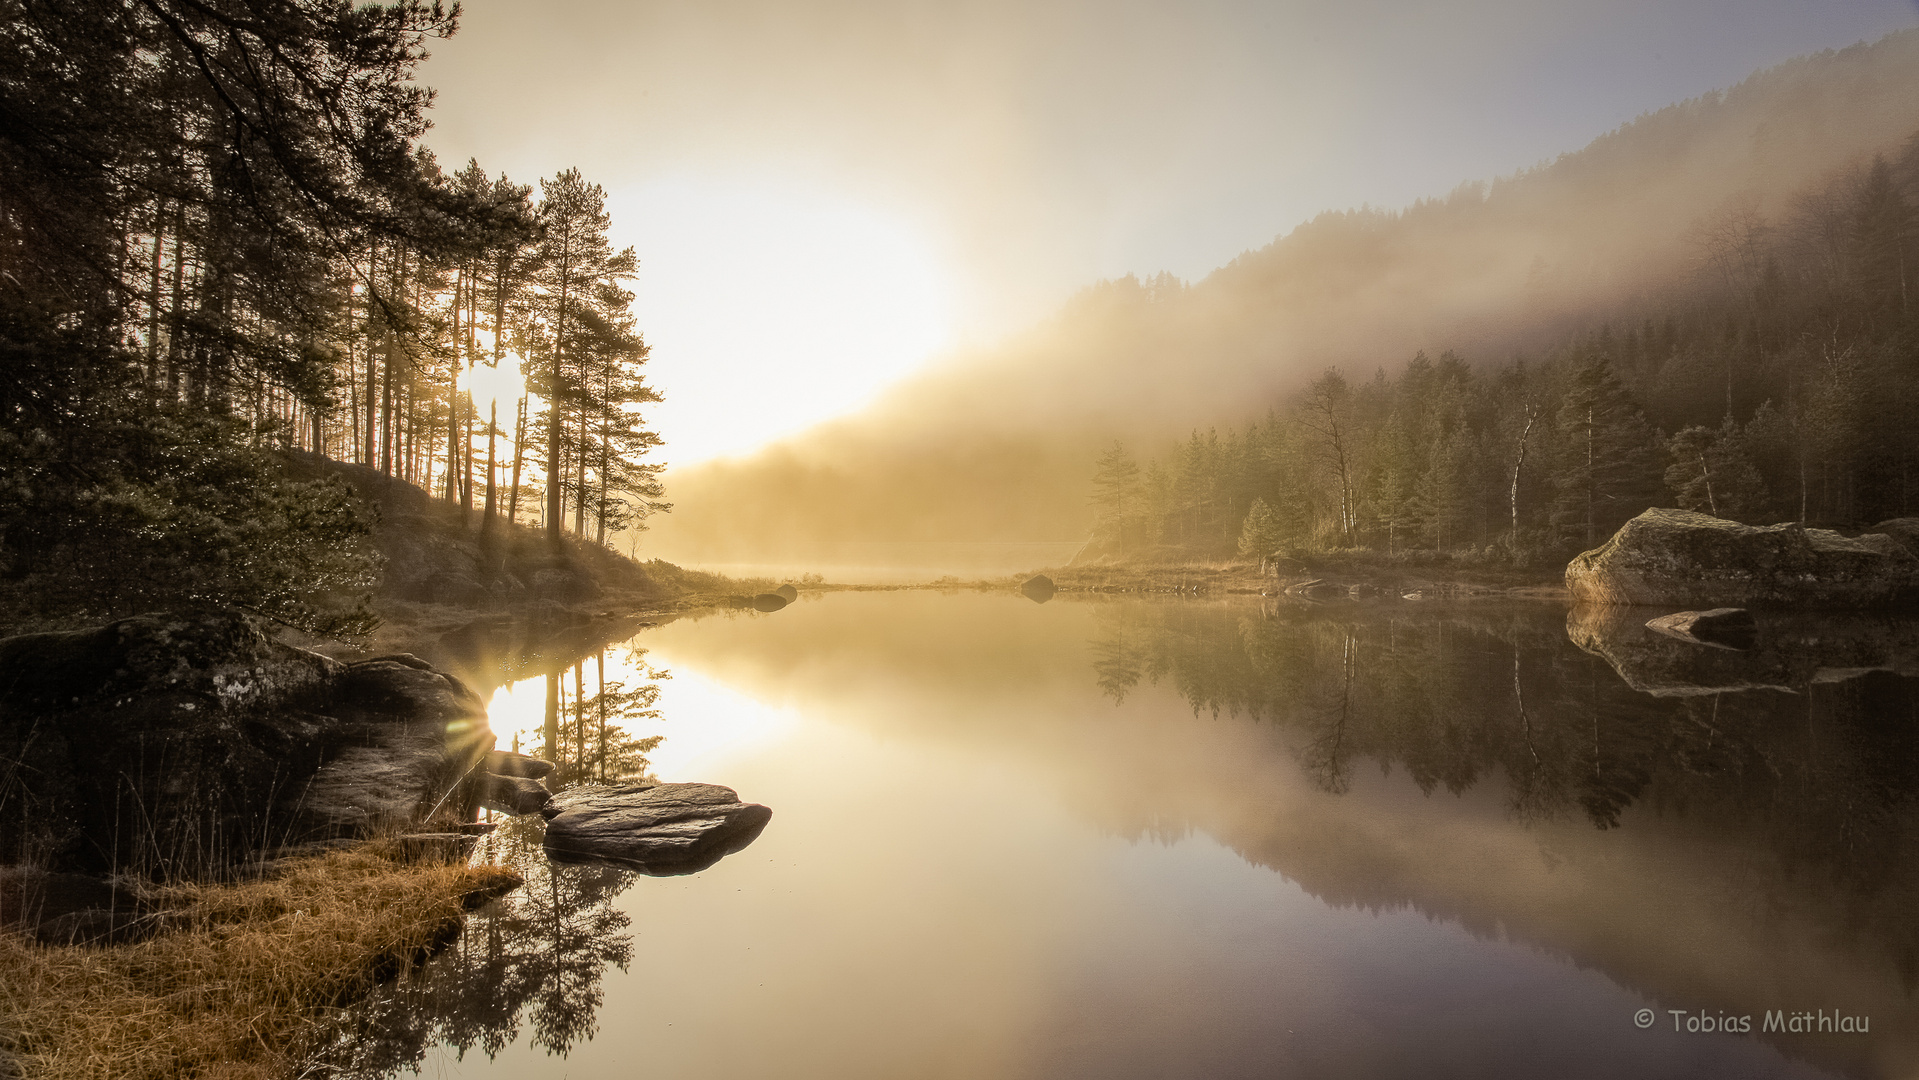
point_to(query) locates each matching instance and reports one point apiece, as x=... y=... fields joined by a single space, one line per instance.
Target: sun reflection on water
x=705 y=722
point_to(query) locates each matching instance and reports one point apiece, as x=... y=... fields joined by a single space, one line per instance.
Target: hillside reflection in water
x=1119 y=838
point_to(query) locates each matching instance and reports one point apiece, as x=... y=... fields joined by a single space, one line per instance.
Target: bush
x=169 y=509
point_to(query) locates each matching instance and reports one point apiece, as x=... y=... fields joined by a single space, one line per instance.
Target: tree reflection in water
x=534 y=958
x=586 y=735
x=537 y=956
x=1458 y=696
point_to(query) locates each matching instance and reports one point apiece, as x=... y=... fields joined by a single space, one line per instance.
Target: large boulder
x=1677 y=557
x=657 y=829
x=1039 y=588
x=179 y=742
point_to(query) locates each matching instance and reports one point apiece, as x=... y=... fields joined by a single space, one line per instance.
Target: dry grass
x=245 y=979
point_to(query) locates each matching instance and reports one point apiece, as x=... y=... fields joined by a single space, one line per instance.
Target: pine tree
x=1604 y=472
x=576 y=259
x=1261 y=534
x=1116 y=497
x=1711 y=472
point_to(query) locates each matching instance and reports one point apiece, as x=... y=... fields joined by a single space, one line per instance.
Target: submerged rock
x=767 y=601
x=657 y=829
x=1667 y=557
x=1039 y=588
x=1721 y=628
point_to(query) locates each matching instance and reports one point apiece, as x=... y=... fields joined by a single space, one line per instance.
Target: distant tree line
x=219 y=238
x=1782 y=386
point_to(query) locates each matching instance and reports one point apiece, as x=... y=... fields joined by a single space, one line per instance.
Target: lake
x=1111 y=837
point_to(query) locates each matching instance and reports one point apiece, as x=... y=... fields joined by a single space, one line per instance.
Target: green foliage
x=1604 y=473
x=1803 y=326
x=1711 y=473
x=1263 y=532
x=177 y=509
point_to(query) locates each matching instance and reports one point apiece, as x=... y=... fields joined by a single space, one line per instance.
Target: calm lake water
x=1114 y=837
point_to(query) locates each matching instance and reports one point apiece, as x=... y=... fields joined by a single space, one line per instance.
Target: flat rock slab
x=657 y=829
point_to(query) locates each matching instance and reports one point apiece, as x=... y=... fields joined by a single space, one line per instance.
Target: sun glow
x=491 y=386
x=704 y=721
x=771 y=309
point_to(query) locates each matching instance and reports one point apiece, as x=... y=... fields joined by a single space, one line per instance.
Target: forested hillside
x=220 y=239
x=1783 y=386
x=1726 y=222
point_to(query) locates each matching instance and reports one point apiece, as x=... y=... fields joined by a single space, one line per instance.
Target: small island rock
x=657 y=829
x=767 y=601
x=1039 y=588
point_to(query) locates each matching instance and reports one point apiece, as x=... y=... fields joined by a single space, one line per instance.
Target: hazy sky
x=825 y=195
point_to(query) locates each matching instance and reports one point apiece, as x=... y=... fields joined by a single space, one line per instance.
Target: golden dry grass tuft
x=244 y=979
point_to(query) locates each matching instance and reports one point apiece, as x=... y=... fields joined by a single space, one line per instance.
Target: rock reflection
x=532 y=960
x=1787 y=653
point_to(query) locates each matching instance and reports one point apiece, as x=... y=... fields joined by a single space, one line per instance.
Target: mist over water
x=1124 y=837
x=998 y=442
x=896 y=563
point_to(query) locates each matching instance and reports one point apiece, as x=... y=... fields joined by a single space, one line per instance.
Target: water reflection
x=1786 y=778
x=1457 y=696
x=582 y=720
x=1127 y=837
x=530 y=966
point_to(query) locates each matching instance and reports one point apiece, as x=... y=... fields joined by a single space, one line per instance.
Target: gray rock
x=789 y=592
x=1721 y=628
x=1905 y=530
x=657 y=829
x=767 y=601
x=405 y=686
x=389 y=783
x=1039 y=588
x=511 y=794
x=1669 y=557
x=176 y=743
x=508 y=763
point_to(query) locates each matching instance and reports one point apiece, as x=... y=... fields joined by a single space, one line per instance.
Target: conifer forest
x=1781 y=385
x=223 y=249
